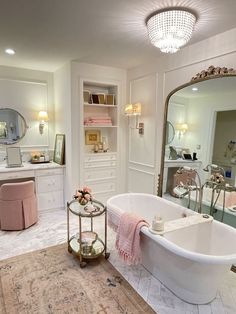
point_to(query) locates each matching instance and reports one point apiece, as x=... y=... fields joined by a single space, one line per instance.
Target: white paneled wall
x=28 y=98
x=140 y=181
x=29 y=92
x=142 y=147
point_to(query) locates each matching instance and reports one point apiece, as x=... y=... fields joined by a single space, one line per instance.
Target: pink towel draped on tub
x=128 y=237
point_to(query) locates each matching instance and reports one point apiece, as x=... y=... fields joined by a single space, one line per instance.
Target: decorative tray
x=39 y=162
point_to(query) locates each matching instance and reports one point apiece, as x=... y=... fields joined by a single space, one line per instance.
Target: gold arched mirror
x=203 y=114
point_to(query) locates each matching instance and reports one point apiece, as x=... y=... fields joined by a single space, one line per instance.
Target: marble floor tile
x=51 y=229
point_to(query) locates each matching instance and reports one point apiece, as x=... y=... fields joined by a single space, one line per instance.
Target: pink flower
x=78 y=194
x=87 y=197
x=86 y=189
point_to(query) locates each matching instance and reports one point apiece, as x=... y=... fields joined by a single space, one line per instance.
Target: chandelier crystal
x=171 y=29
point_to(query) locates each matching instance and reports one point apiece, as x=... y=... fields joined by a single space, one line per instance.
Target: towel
x=128 y=238
x=113 y=217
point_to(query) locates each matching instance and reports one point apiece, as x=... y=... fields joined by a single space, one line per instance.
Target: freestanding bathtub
x=191 y=261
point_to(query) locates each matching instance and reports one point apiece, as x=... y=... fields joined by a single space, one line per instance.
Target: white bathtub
x=191 y=261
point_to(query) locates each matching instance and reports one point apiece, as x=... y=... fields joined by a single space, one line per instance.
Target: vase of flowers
x=83 y=195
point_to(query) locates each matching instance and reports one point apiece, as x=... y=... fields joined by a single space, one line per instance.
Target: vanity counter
x=48 y=177
x=28 y=166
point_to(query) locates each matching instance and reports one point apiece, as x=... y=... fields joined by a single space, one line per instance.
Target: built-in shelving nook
x=100 y=124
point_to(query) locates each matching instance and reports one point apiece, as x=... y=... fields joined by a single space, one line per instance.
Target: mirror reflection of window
x=3 y=130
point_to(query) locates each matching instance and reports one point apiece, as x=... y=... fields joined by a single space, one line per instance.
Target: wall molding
x=141 y=164
x=143 y=171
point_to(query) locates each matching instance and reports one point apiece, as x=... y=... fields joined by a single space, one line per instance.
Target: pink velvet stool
x=18 y=206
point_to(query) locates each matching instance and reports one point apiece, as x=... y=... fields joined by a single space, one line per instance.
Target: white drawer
x=99 y=164
x=102 y=187
x=17 y=174
x=99 y=174
x=50 y=183
x=48 y=172
x=50 y=200
x=98 y=157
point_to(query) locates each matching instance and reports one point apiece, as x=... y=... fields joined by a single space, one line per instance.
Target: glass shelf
x=100 y=105
x=91 y=209
x=93 y=251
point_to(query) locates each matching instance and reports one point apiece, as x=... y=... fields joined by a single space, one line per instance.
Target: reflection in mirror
x=170 y=132
x=208 y=107
x=12 y=126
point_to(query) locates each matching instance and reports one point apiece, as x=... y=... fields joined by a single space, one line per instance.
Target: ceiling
x=47 y=33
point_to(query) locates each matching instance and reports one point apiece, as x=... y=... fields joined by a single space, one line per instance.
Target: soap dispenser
x=158 y=224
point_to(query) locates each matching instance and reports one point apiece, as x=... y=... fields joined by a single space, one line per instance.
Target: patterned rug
x=51 y=281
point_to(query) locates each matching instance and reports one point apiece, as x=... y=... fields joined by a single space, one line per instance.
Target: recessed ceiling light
x=194 y=89
x=10 y=51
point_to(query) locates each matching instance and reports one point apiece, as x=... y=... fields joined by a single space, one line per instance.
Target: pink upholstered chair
x=18 y=205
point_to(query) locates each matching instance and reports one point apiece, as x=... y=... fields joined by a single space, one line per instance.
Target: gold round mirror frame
x=211 y=73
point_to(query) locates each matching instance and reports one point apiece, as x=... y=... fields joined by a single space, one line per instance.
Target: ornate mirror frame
x=211 y=73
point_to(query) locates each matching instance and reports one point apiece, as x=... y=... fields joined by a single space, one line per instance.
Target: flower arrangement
x=83 y=195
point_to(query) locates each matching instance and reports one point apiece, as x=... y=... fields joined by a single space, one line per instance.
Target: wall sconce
x=181 y=128
x=43 y=117
x=135 y=110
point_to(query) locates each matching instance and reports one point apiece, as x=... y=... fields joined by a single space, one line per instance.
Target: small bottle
x=157 y=224
x=95 y=148
x=104 y=143
x=46 y=155
x=41 y=158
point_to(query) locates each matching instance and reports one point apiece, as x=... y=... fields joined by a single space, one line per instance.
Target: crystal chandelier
x=171 y=29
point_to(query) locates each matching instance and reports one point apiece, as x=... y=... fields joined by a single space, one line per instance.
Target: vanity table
x=171 y=166
x=49 y=181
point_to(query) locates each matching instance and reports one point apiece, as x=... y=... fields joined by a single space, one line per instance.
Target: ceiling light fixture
x=10 y=51
x=170 y=29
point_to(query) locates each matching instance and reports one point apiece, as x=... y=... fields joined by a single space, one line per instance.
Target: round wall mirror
x=12 y=126
x=170 y=132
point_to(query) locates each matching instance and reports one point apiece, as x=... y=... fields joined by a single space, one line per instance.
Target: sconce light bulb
x=43 y=117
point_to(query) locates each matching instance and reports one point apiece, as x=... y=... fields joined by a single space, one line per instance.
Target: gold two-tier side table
x=87 y=244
